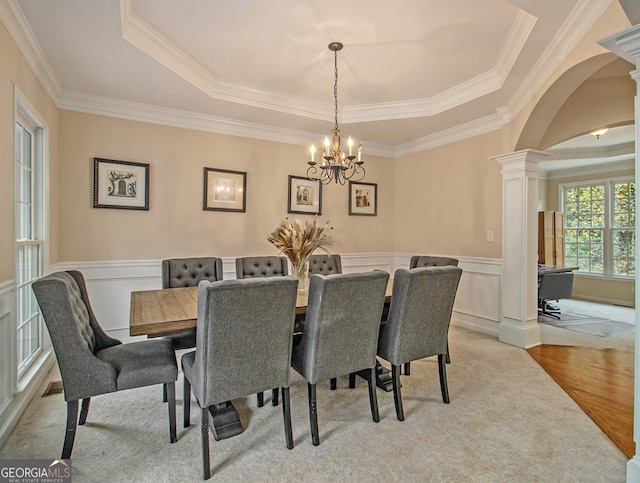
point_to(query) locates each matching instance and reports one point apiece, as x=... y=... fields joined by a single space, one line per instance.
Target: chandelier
x=336 y=164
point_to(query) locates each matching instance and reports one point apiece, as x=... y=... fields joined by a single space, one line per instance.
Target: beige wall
x=176 y=225
x=14 y=70
x=447 y=199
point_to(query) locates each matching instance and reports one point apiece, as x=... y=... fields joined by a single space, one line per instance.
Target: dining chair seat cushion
x=142 y=363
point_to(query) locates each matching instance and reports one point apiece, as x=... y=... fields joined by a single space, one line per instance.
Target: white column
x=627 y=45
x=519 y=283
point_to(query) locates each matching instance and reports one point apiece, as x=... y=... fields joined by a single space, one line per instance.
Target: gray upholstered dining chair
x=188 y=272
x=418 y=322
x=418 y=261
x=262 y=267
x=235 y=356
x=340 y=333
x=92 y=363
x=325 y=264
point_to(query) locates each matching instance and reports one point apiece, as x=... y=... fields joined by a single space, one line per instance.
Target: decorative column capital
x=626 y=44
x=521 y=161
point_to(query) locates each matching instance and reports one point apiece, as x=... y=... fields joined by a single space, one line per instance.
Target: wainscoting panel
x=110 y=285
x=7 y=291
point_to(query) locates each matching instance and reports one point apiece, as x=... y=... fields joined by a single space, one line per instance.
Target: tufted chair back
x=261 y=267
x=418 y=261
x=75 y=334
x=188 y=272
x=325 y=264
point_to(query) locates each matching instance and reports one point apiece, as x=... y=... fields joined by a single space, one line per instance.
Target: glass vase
x=301 y=272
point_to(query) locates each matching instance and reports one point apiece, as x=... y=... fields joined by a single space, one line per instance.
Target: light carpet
x=508 y=421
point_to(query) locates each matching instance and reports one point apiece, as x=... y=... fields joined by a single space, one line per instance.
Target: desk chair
x=262 y=267
x=236 y=357
x=553 y=286
x=418 y=322
x=92 y=363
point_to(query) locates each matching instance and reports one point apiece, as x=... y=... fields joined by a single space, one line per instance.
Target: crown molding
x=16 y=24
x=586 y=170
x=135 y=111
x=624 y=149
x=582 y=18
x=467 y=130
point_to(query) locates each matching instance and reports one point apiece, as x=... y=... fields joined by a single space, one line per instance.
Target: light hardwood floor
x=600 y=379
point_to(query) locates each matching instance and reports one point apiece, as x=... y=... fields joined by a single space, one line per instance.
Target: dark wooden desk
x=542 y=269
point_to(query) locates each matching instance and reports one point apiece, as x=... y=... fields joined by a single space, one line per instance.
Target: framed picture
x=120 y=184
x=363 y=199
x=225 y=190
x=305 y=196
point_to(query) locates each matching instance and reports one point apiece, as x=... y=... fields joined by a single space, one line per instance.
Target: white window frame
x=607 y=237
x=27 y=116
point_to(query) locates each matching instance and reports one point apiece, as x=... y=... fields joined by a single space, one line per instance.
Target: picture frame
x=305 y=196
x=120 y=184
x=224 y=190
x=363 y=199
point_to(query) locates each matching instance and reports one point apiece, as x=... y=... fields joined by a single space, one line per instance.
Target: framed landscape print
x=225 y=190
x=363 y=199
x=305 y=196
x=120 y=184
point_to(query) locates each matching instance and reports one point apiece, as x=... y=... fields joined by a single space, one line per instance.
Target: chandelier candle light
x=335 y=164
x=298 y=242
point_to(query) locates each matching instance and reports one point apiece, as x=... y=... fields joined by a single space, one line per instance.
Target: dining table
x=167 y=311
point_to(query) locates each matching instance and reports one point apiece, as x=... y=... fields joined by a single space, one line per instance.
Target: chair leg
x=373 y=396
x=352 y=380
x=84 y=411
x=204 y=430
x=186 y=403
x=70 y=434
x=448 y=358
x=443 y=378
x=164 y=393
x=333 y=384
x=407 y=368
x=260 y=399
x=275 y=396
x=313 y=414
x=397 y=396
x=171 y=397
x=286 y=414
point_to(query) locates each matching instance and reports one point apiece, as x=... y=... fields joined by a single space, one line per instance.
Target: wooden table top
x=542 y=269
x=165 y=311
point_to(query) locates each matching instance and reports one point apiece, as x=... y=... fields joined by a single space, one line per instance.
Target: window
x=29 y=240
x=600 y=226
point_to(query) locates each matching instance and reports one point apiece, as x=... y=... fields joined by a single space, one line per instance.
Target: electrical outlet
x=490 y=235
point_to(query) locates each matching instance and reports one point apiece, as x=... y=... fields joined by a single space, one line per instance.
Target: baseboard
x=602 y=300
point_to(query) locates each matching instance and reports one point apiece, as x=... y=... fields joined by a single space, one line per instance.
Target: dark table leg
x=224 y=421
